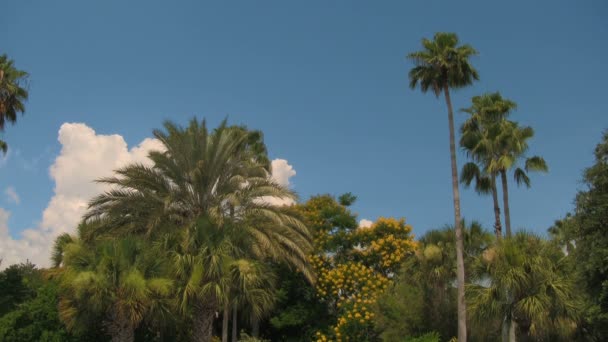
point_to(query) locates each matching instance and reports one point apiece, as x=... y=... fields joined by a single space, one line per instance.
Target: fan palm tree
x=527 y=288
x=442 y=65
x=481 y=137
x=13 y=94
x=116 y=281
x=205 y=192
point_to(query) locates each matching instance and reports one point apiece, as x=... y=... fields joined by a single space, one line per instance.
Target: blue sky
x=325 y=80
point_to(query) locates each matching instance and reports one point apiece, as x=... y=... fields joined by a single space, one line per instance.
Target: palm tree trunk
x=225 y=319
x=202 y=329
x=119 y=328
x=505 y=199
x=462 y=309
x=234 y=324
x=512 y=328
x=497 y=224
x=255 y=329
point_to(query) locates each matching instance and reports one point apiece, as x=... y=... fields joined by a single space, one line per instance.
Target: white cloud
x=84 y=157
x=12 y=195
x=282 y=171
x=365 y=223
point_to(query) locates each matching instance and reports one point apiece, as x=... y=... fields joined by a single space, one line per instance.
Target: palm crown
x=442 y=63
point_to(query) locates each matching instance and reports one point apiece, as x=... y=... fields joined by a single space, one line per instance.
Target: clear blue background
x=325 y=80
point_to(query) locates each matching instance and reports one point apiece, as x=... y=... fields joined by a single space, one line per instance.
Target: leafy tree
x=37 y=319
x=13 y=94
x=527 y=287
x=442 y=65
x=583 y=236
x=205 y=194
x=18 y=283
x=354 y=265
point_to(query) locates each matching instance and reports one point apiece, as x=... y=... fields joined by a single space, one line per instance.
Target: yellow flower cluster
x=386 y=244
x=354 y=288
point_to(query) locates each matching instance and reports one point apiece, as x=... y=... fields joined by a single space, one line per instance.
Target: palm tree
x=442 y=65
x=481 y=137
x=12 y=94
x=204 y=197
x=117 y=281
x=513 y=150
x=526 y=287
x=252 y=292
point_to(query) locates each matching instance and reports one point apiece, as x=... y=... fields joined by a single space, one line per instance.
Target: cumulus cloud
x=365 y=223
x=12 y=195
x=84 y=157
x=281 y=173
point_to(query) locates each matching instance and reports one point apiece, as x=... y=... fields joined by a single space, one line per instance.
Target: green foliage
x=423 y=297
x=400 y=311
x=583 y=235
x=13 y=94
x=428 y=337
x=37 y=319
x=246 y=338
x=18 y=283
x=443 y=63
x=117 y=282
x=525 y=280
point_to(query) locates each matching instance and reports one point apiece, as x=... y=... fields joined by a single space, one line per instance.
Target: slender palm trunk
x=497 y=224
x=505 y=199
x=225 y=319
x=234 y=324
x=202 y=329
x=119 y=328
x=512 y=335
x=509 y=328
x=462 y=309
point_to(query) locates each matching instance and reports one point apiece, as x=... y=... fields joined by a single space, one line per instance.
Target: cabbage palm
x=442 y=65
x=204 y=197
x=116 y=281
x=13 y=94
x=527 y=287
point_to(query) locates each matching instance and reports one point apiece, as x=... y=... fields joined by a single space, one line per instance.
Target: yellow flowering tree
x=354 y=265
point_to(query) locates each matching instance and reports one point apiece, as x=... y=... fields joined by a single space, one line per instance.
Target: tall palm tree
x=442 y=65
x=204 y=196
x=13 y=94
x=526 y=287
x=117 y=281
x=512 y=151
x=481 y=138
